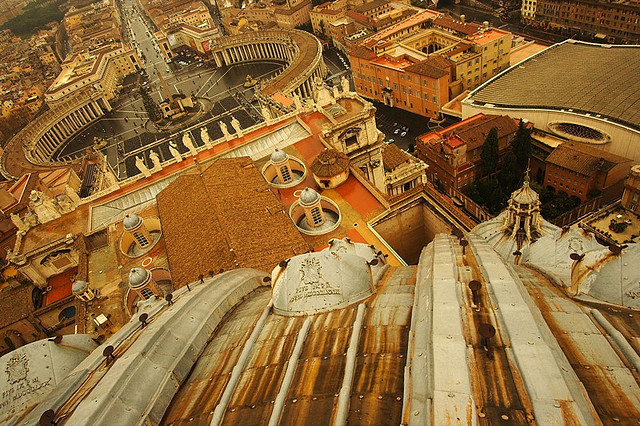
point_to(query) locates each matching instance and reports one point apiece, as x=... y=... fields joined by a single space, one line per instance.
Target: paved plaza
x=128 y=132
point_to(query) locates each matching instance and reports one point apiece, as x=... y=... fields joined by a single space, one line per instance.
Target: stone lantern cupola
x=82 y=291
x=141 y=281
x=310 y=201
x=134 y=225
x=280 y=161
x=523 y=221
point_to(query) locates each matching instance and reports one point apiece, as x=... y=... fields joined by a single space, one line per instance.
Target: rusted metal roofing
x=377 y=388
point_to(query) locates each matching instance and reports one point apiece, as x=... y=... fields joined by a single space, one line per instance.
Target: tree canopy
x=522 y=145
x=490 y=152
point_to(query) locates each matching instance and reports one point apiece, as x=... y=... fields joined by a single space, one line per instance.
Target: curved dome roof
x=330 y=163
x=326 y=280
x=279 y=156
x=131 y=222
x=139 y=277
x=79 y=287
x=525 y=195
x=309 y=196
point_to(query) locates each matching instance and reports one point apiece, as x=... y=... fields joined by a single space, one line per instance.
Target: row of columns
x=266 y=50
x=61 y=131
x=250 y=52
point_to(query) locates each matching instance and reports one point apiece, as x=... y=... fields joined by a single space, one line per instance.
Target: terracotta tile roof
x=434 y=66
x=362 y=52
x=474 y=132
x=329 y=163
x=392 y=157
x=227 y=215
x=584 y=159
x=15 y=304
x=466 y=28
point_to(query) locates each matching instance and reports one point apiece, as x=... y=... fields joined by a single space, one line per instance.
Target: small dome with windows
x=279 y=156
x=138 y=277
x=309 y=196
x=79 y=287
x=131 y=222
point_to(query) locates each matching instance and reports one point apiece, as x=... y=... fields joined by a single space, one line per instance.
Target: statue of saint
x=188 y=143
x=236 y=125
x=173 y=149
x=155 y=159
x=204 y=135
x=142 y=166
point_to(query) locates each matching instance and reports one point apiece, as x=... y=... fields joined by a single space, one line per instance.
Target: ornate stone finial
x=526 y=177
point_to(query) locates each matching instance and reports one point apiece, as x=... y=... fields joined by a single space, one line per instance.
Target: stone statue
x=225 y=131
x=65 y=203
x=43 y=206
x=266 y=114
x=321 y=94
x=155 y=159
x=345 y=85
x=19 y=223
x=297 y=101
x=30 y=219
x=236 y=125
x=142 y=167
x=173 y=149
x=204 y=135
x=188 y=143
x=336 y=92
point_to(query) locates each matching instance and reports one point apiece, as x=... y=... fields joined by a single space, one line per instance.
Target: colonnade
x=66 y=126
x=276 y=45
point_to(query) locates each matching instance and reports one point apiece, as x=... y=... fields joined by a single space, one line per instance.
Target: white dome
x=131 y=222
x=139 y=277
x=309 y=196
x=330 y=279
x=79 y=287
x=525 y=195
x=279 y=156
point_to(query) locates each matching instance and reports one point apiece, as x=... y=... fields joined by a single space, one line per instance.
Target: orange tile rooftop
x=488 y=36
x=390 y=63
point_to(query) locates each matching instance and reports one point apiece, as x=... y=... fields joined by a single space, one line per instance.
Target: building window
x=146 y=293
x=141 y=239
x=284 y=170
x=316 y=216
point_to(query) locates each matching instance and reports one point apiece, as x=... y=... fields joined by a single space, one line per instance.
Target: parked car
x=390 y=141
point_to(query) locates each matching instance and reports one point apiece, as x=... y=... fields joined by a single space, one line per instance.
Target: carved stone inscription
x=312 y=282
x=20 y=385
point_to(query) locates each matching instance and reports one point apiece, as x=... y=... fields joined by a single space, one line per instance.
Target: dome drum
x=141 y=281
x=284 y=171
x=140 y=235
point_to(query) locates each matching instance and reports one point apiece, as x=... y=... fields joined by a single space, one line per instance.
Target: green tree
x=150 y=106
x=490 y=152
x=522 y=145
x=509 y=175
